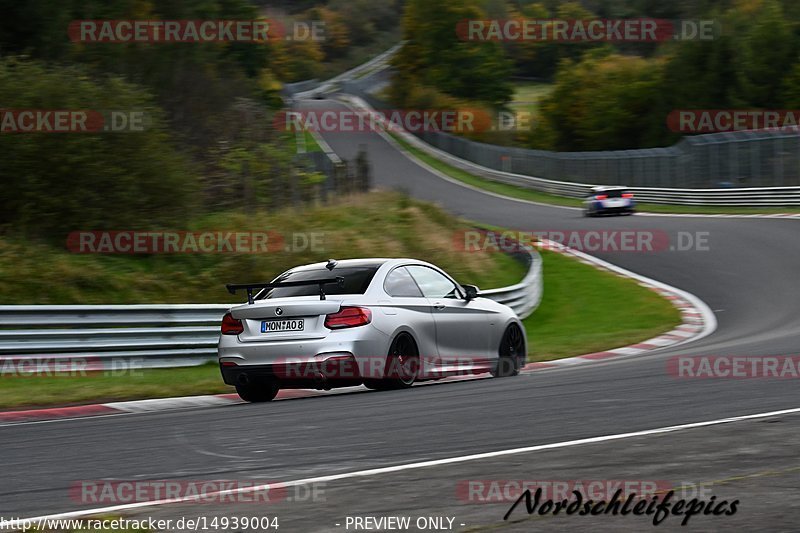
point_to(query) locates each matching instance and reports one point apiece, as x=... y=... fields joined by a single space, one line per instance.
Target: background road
x=749 y=277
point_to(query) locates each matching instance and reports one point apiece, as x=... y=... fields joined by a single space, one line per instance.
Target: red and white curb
x=146 y=406
x=697 y=320
x=171 y=404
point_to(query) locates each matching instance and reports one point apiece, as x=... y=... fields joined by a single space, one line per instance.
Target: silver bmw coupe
x=383 y=323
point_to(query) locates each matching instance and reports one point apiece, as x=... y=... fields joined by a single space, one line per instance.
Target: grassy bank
x=528 y=95
x=585 y=310
x=384 y=224
x=536 y=196
x=307 y=143
x=100 y=387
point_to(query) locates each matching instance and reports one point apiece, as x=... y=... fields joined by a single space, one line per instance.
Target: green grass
x=306 y=142
x=100 y=387
x=527 y=96
x=585 y=310
x=382 y=224
x=545 y=198
x=311 y=142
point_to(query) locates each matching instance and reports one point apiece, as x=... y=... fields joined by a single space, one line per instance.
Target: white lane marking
x=52 y=420
x=783 y=216
x=18 y=523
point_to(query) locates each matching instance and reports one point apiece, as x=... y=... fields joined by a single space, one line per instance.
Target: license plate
x=278 y=326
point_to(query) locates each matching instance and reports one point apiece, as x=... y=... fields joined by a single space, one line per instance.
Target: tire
x=402 y=365
x=511 y=353
x=259 y=391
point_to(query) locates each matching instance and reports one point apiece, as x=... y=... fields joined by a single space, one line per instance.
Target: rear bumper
x=615 y=210
x=345 y=356
x=337 y=370
x=623 y=209
x=597 y=207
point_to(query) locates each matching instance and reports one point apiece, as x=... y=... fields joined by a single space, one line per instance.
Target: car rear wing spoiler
x=249 y=287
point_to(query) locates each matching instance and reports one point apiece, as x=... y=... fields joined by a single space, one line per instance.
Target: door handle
x=438 y=305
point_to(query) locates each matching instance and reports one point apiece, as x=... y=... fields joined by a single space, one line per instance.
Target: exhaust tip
x=243 y=379
x=321 y=382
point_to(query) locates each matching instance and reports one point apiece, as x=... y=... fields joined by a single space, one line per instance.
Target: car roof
x=374 y=262
x=342 y=263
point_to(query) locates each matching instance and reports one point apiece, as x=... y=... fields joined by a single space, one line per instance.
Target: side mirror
x=471 y=292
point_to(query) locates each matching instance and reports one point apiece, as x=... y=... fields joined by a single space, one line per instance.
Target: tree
x=605 y=102
x=540 y=59
x=767 y=50
x=59 y=182
x=337 y=34
x=434 y=55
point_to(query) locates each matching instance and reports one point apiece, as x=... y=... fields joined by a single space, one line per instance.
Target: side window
x=432 y=283
x=400 y=283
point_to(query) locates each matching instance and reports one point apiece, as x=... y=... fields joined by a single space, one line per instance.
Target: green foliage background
x=605 y=96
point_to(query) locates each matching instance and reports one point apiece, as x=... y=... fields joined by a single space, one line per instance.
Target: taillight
x=348 y=317
x=601 y=197
x=627 y=195
x=231 y=326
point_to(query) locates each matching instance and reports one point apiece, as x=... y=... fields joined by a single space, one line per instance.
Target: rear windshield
x=356 y=281
x=615 y=193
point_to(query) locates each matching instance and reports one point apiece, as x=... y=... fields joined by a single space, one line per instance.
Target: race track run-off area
x=435 y=451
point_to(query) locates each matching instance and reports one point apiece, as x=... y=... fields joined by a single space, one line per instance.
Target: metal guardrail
x=120 y=337
x=742 y=197
x=109 y=336
x=525 y=296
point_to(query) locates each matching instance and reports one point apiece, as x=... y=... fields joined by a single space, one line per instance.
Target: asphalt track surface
x=748 y=277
